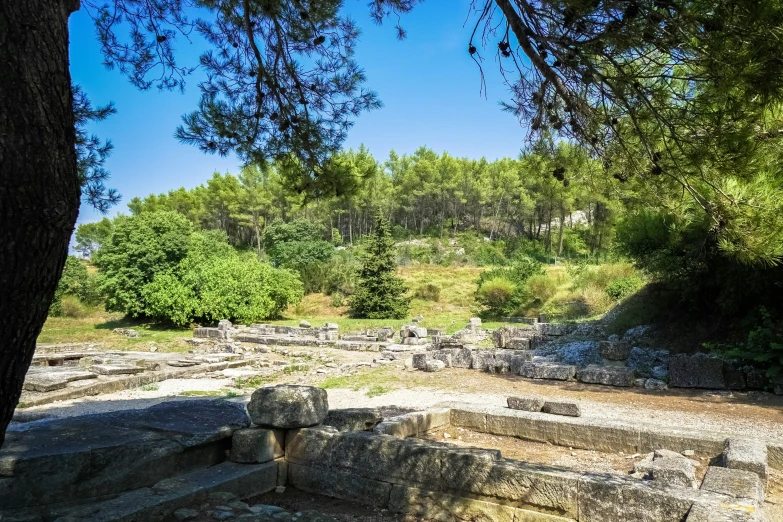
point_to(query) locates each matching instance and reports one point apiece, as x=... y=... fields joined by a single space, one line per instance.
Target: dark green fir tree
x=380 y=294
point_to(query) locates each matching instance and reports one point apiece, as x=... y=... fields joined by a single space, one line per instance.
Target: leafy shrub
x=763 y=346
x=490 y=253
x=428 y=292
x=77 y=282
x=299 y=246
x=623 y=287
x=70 y=306
x=380 y=294
x=497 y=296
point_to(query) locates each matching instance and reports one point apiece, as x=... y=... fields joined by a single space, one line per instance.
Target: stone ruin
x=177 y=457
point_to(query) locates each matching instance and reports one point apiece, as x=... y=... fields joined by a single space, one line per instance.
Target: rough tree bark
x=39 y=184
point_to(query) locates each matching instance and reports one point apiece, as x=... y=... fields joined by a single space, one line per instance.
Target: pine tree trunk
x=560 y=232
x=39 y=185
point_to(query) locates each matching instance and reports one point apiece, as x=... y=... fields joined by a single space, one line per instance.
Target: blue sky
x=428 y=84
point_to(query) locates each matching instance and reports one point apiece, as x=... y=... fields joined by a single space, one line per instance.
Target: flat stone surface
x=748 y=455
x=72 y=458
x=554 y=371
x=673 y=471
x=568 y=409
x=288 y=406
x=112 y=369
x=715 y=511
x=353 y=419
x=525 y=403
x=54 y=379
x=606 y=375
x=734 y=483
x=697 y=371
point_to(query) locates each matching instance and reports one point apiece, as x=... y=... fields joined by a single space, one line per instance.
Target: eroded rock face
x=287 y=406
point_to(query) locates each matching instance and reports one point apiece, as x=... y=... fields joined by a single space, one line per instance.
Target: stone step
x=546 y=370
x=606 y=375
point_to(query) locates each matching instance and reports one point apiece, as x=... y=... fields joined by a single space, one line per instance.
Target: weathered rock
x=497 y=366
x=655 y=384
x=673 y=471
x=755 y=379
x=480 y=359
x=115 y=369
x=305 y=324
x=127 y=332
x=525 y=403
x=434 y=366
x=518 y=343
x=639 y=383
x=568 y=409
x=735 y=483
x=420 y=360
x=748 y=455
x=256 y=445
x=353 y=419
x=474 y=322
x=288 y=406
x=735 y=379
x=53 y=379
x=643 y=360
x=210 y=333
x=615 y=350
x=559 y=372
x=717 y=511
x=609 y=375
x=224 y=324
x=443 y=356
x=461 y=357
x=433 y=505
x=516 y=362
x=697 y=371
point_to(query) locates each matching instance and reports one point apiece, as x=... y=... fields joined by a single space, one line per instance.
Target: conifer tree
x=380 y=294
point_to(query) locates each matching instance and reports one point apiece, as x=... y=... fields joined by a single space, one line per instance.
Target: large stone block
x=353 y=419
x=341 y=484
x=462 y=469
x=516 y=362
x=615 y=350
x=420 y=360
x=532 y=486
x=434 y=365
x=748 y=455
x=568 y=409
x=525 y=403
x=311 y=446
x=697 y=371
x=518 y=343
x=461 y=357
x=53 y=379
x=390 y=459
x=287 y=406
x=443 y=356
x=675 y=439
x=610 y=497
x=606 y=375
x=554 y=371
x=673 y=471
x=424 y=504
x=716 y=511
x=257 y=445
x=481 y=358
x=734 y=483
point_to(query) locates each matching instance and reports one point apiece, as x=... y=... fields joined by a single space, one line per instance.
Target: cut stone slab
x=461 y=357
x=354 y=419
x=480 y=358
x=257 y=445
x=45 y=381
x=434 y=366
x=525 y=403
x=615 y=350
x=288 y=406
x=443 y=356
x=654 y=384
x=748 y=455
x=554 y=371
x=673 y=471
x=111 y=369
x=518 y=343
x=734 y=483
x=516 y=362
x=420 y=360
x=568 y=409
x=697 y=371
x=182 y=363
x=716 y=511
x=73 y=458
x=606 y=375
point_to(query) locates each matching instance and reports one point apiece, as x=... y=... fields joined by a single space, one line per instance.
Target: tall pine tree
x=380 y=294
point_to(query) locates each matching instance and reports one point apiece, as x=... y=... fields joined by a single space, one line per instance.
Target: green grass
x=254 y=381
x=377 y=390
x=150 y=387
x=211 y=393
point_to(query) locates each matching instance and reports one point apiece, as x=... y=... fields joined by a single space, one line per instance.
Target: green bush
x=490 y=253
x=541 y=287
x=428 y=292
x=299 y=246
x=763 y=346
x=76 y=282
x=621 y=288
x=70 y=306
x=497 y=296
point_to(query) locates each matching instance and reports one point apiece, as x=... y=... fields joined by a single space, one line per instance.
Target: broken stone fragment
x=748 y=455
x=288 y=406
x=419 y=360
x=256 y=445
x=304 y=324
x=734 y=483
x=354 y=419
x=615 y=350
x=568 y=409
x=673 y=471
x=525 y=403
x=434 y=366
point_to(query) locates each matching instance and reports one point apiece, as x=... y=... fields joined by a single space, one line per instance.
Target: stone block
x=480 y=359
x=735 y=379
x=497 y=366
x=679 y=440
x=463 y=469
x=442 y=355
x=518 y=343
x=257 y=445
x=525 y=403
x=609 y=497
x=116 y=369
x=520 y=425
x=431 y=419
x=553 y=371
x=470 y=418
x=755 y=379
x=748 y=455
x=50 y=380
x=673 y=471
x=573 y=432
x=461 y=357
x=288 y=406
x=389 y=459
x=424 y=504
x=341 y=484
x=568 y=409
x=311 y=446
x=615 y=350
x=697 y=371
x=420 y=360
x=353 y=419
x=282 y=472
x=210 y=333
x=434 y=365
x=654 y=384
x=717 y=511
x=516 y=362
x=606 y=375
x=734 y=483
